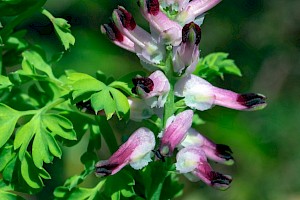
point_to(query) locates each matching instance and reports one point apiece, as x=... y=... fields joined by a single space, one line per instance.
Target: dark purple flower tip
x=153 y=7
x=126 y=18
x=224 y=151
x=219 y=180
x=144 y=83
x=252 y=100
x=113 y=32
x=105 y=169
x=191 y=31
x=159 y=155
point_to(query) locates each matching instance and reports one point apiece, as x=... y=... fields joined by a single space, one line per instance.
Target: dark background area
x=263 y=37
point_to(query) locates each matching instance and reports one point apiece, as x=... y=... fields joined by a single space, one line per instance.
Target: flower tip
x=112 y=32
x=252 y=101
x=224 y=152
x=103 y=168
x=220 y=181
x=125 y=17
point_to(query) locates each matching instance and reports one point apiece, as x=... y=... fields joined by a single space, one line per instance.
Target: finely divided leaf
x=102 y=97
x=32 y=175
x=59 y=125
x=62 y=29
x=8 y=120
x=4 y=82
x=216 y=64
x=36 y=61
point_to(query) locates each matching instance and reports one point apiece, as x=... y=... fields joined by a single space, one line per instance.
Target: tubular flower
x=217 y=152
x=145 y=46
x=192 y=162
x=171 y=24
x=176 y=130
x=135 y=151
x=153 y=89
x=201 y=95
x=160 y=23
x=195 y=9
x=114 y=34
x=186 y=55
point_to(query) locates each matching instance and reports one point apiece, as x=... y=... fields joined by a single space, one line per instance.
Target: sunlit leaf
x=62 y=29
x=216 y=64
x=30 y=173
x=35 y=60
x=8 y=120
x=4 y=82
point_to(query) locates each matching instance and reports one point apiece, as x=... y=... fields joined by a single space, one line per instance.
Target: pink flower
x=217 y=152
x=195 y=10
x=117 y=37
x=175 y=131
x=153 y=89
x=186 y=55
x=192 y=162
x=160 y=23
x=147 y=48
x=201 y=95
x=135 y=151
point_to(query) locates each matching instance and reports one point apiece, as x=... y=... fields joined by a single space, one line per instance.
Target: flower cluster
x=170 y=52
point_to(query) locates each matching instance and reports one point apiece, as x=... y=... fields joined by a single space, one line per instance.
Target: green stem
x=54 y=103
x=47 y=14
x=107 y=133
x=45 y=108
x=169 y=107
x=4 y=33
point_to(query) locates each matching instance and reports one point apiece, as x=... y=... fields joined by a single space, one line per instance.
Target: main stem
x=169 y=107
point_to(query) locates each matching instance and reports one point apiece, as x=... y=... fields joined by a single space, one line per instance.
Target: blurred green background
x=263 y=37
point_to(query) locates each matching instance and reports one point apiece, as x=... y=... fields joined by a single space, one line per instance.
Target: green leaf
x=154 y=176
x=6 y=154
x=59 y=125
x=43 y=127
x=24 y=135
x=86 y=86
x=123 y=86
x=103 y=101
x=102 y=97
x=30 y=173
x=34 y=60
x=122 y=105
x=16 y=41
x=9 y=196
x=124 y=187
x=8 y=159
x=5 y=82
x=216 y=64
x=75 y=193
x=62 y=29
x=8 y=120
